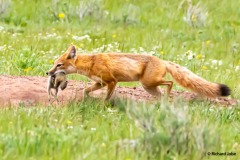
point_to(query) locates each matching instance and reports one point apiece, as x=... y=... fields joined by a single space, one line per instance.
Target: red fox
x=109 y=69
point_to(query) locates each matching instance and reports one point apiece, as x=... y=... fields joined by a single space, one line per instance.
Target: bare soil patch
x=31 y=90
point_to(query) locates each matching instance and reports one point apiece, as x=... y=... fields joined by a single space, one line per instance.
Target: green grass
x=90 y=130
x=34 y=33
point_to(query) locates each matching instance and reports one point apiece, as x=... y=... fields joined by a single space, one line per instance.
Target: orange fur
x=108 y=69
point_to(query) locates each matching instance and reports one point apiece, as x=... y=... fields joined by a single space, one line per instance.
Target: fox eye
x=59 y=65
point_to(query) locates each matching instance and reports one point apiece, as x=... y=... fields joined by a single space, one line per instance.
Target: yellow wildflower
x=194 y=18
x=61 y=15
x=53 y=29
x=208 y=42
x=114 y=36
x=81 y=45
x=204 y=67
x=199 y=56
x=235 y=145
x=103 y=145
x=28 y=69
x=31 y=133
x=51 y=61
x=161 y=52
x=69 y=122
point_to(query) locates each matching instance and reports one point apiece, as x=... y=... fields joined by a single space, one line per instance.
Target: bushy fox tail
x=191 y=81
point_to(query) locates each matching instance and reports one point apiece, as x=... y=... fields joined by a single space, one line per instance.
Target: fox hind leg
x=169 y=86
x=153 y=90
x=152 y=87
x=154 y=76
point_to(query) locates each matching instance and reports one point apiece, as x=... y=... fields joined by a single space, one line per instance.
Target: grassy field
x=203 y=37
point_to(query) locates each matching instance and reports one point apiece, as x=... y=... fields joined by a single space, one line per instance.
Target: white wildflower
x=211 y=109
x=237 y=68
x=214 y=61
x=112 y=110
x=116 y=43
x=133 y=50
x=70 y=127
x=151 y=52
x=82 y=38
x=118 y=51
x=155 y=48
x=59 y=37
x=1 y=28
x=93 y=129
x=2 y=47
x=220 y=62
x=106 y=12
x=110 y=46
x=141 y=49
x=190 y=55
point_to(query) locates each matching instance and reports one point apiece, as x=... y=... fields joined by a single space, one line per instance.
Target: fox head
x=65 y=62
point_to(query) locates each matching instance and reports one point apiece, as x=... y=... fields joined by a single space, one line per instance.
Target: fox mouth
x=50 y=73
x=54 y=73
x=68 y=70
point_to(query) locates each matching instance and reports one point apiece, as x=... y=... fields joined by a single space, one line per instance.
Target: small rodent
x=54 y=82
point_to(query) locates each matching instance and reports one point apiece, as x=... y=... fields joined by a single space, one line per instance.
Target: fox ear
x=71 y=52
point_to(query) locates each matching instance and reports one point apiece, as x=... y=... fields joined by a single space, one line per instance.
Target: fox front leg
x=92 y=88
x=110 y=88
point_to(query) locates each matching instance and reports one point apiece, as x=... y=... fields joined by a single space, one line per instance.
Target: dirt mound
x=30 y=90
